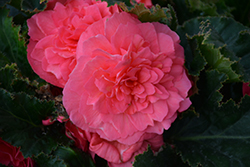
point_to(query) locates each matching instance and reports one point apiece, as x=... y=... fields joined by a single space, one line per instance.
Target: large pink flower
x=117 y=154
x=129 y=79
x=54 y=35
x=11 y=156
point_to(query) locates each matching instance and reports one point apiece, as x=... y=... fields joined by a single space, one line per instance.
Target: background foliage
x=213 y=132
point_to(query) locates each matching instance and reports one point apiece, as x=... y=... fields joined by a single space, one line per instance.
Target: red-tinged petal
x=245 y=89
x=48 y=122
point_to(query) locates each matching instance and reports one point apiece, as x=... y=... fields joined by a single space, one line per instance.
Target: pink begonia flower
x=129 y=79
x=245 y=89
x=54 y=35
x=78 y=135
x=115 y=153
x=11 y=156
x=50 y=120
x=147 y=3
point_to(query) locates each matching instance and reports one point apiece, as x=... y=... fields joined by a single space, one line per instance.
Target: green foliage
x=240 y=11
x=165 y=158
x=74 y=157
x=64 y=157
x=3 y=2
x=188 y=9
x=34 y=5
x=216 y=137
x=221 y=42
x=12 y=48
x=155 y=14
x=44 y=160
x=21 y=123
x=10 y=81
x=215 y=134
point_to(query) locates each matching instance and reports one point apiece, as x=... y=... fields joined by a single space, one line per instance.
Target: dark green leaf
x=221 y=41
x=165 y=158
x=7 y=75
x=34 y=5
x=44 y=160
x=3 y=2
x=217 y=137
x=170 y=19
x=21 y=123
x=11 y=46
x=74 y=157
x=120 y=2
x=209 y=84
x=156 y=13
x=241 y=11
x=206 y=8
x=23 y=85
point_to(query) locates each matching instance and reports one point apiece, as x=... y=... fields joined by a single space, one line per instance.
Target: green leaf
x=34 y=5
x=10 y=81
x=74 y=157
x=44 y=160
x=170 y=19
x=206 y=8
x=11 y=46
x=21 y=123
x=208 y=97
x=215 y=133
x=124 y=3
x=3 y=2
x=23 y=85
x=7 y=75
x=221 y=41
x=194 y=60
x=156 y=13
x=216 y=137
x=165 y=158
x=241 y=11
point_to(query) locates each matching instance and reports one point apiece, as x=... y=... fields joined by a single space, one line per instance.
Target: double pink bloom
x=124 y=81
